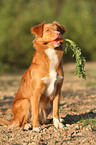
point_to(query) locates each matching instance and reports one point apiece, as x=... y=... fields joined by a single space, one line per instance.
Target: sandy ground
x=77 y=108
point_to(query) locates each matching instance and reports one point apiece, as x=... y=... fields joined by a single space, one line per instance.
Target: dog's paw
x=37 y=129
x=27 y=126
x=62 y=120
x=57 y=123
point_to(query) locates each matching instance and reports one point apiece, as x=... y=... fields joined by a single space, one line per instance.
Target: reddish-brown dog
x=41 y=84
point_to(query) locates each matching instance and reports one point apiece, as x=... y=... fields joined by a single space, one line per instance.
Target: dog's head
x=48 y=35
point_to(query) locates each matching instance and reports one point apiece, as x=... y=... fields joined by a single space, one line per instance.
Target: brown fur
x=30 y=102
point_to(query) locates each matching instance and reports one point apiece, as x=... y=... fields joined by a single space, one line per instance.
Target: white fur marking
x=61 y=120
x=50 y=81
x=57 y=123
x=53 y=61
x=27 y=126
x=37 y=129
x=57 y=45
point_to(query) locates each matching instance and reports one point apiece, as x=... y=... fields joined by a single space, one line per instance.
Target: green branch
x=80 y=60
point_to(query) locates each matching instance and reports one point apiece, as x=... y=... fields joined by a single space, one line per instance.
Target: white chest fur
x=53 y=78
x=53 y=61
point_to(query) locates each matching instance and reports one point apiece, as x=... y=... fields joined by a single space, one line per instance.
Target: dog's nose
x=58 y=33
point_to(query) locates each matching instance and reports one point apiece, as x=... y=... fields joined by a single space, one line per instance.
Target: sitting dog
x=40 y=86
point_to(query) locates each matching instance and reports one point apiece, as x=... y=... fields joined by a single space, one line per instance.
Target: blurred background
x=17 y=18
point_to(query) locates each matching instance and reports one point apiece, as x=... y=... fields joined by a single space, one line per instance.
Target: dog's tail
x=5 y=122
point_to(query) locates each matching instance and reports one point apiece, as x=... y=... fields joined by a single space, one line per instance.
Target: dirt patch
x=77 y=108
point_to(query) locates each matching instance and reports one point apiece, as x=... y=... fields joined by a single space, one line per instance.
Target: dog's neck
x=52 y=53
x=39 y=46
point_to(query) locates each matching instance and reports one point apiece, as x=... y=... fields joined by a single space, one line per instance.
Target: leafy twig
x=80 y=60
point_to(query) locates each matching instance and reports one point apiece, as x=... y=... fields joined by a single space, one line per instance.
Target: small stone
x=67 y=125
x=77 y=127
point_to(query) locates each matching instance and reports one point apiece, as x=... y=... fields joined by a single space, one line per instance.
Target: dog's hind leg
x=20 y=109
x=45 y=109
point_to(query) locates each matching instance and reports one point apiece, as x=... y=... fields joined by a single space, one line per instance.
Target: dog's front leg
x=56 y=120
x=35 y=110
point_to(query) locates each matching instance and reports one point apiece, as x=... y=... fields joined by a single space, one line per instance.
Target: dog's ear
x=38 y=29
x=62 y=28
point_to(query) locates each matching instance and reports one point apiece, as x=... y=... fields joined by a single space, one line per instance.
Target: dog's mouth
x=55 y=41
x=58 y=40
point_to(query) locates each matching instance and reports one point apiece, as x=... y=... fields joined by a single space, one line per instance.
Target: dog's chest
x=53 y=62
x=53 y=79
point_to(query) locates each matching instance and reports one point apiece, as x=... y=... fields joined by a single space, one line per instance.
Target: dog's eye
x=58 y=29
x=47 y=30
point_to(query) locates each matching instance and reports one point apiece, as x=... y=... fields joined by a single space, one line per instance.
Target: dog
x=41 y=84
